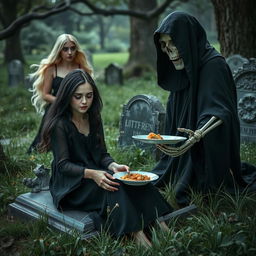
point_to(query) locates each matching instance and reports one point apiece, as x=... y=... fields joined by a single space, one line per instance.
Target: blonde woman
x=65 y=56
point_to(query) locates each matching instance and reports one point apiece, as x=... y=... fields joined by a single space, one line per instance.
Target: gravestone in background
x=245 y=79
x=113 y=74
x=236 y=61
x=141 y=115
x=15 y=73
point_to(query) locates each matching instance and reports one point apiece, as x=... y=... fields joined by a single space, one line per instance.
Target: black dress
x=204 y=88
x=55 y=87
x=127 y=210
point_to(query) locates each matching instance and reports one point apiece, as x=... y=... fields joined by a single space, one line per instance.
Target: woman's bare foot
x=164 y=226
x=141 y=239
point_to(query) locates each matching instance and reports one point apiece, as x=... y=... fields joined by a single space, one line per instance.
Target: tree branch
x=18 y=23
x=66 y=4
x=141 y=15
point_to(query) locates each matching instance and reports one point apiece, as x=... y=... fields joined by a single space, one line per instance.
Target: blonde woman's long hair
x=53 y=59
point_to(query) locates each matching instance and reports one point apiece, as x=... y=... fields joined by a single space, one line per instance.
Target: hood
x=190 y=39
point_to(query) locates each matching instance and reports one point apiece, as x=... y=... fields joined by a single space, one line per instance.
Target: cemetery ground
x=222 y=225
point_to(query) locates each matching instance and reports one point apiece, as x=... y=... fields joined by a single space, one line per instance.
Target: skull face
x=170 y=49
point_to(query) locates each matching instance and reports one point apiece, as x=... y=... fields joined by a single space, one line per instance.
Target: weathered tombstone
x=245 y=79
x=141 y=115
x=113 y=74
x=15 y=73
x=38 y=204
x=236 y=61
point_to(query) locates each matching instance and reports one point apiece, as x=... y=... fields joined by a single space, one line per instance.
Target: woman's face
x=68 y=51
x=82 y=99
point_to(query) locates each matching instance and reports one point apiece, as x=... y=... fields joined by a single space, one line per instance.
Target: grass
x=102 y=60
x=224 y=226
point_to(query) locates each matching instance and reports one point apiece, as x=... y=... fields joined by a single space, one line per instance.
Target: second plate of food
x=166 y=139
x=136 y=178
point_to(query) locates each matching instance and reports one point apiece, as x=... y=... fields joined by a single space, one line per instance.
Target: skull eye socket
x=162 y=44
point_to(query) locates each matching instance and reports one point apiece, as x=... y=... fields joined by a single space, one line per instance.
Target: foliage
x=223 y=225
x=38 y=37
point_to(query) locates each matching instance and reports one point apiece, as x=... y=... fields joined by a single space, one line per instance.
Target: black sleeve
x=61 y=154
x=106 y=159
x=216 y=93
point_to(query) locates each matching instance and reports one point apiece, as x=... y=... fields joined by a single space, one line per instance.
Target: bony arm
x=194 y=136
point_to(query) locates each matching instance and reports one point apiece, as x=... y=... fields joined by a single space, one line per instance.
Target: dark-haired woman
x=82 y=169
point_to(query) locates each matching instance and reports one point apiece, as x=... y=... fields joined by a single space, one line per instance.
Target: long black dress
x=204 y=88
x=55 y=87
x=127 y=210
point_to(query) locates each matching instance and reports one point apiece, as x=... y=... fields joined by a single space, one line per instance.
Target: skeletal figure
x=168 y=47
x=202 y=106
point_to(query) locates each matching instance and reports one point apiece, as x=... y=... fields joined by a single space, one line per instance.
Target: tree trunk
x=13 y=48
x=142 y=56
x=101 y=32
x=236 y=28
x=12 y=44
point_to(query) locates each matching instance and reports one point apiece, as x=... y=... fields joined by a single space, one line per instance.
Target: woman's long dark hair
x=61 y=106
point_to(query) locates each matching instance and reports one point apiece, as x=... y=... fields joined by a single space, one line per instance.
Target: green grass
x=224 y=226
x=102 y=60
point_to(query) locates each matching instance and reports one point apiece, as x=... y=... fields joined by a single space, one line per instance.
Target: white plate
x=166 y=139
x=152 y=176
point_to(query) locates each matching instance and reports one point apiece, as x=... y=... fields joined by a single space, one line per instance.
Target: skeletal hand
x=194 y=136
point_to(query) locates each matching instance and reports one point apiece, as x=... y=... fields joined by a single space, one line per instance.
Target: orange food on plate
x=135 y=177
x=152 y=135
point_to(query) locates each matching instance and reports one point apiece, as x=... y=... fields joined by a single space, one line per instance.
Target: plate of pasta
x=136 y=178
x=154 y=138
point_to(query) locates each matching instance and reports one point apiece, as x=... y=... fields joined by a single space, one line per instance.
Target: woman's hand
x=118 y=167
x=102 y=178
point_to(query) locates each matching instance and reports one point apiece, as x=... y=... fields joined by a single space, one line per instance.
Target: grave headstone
x=38 y=204
x=236 y=61
x=245 y=79
x=15 y=73
x=141 y=115
x=113 y=74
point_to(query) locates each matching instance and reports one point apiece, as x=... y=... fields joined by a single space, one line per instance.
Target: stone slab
x=33 y=206
x=183 y=212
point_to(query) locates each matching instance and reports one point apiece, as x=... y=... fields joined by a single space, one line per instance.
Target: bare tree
x=44 y=11
x=236 y=28
x=14 y=25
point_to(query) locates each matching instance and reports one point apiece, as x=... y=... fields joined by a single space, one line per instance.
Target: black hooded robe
x=204 y=88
